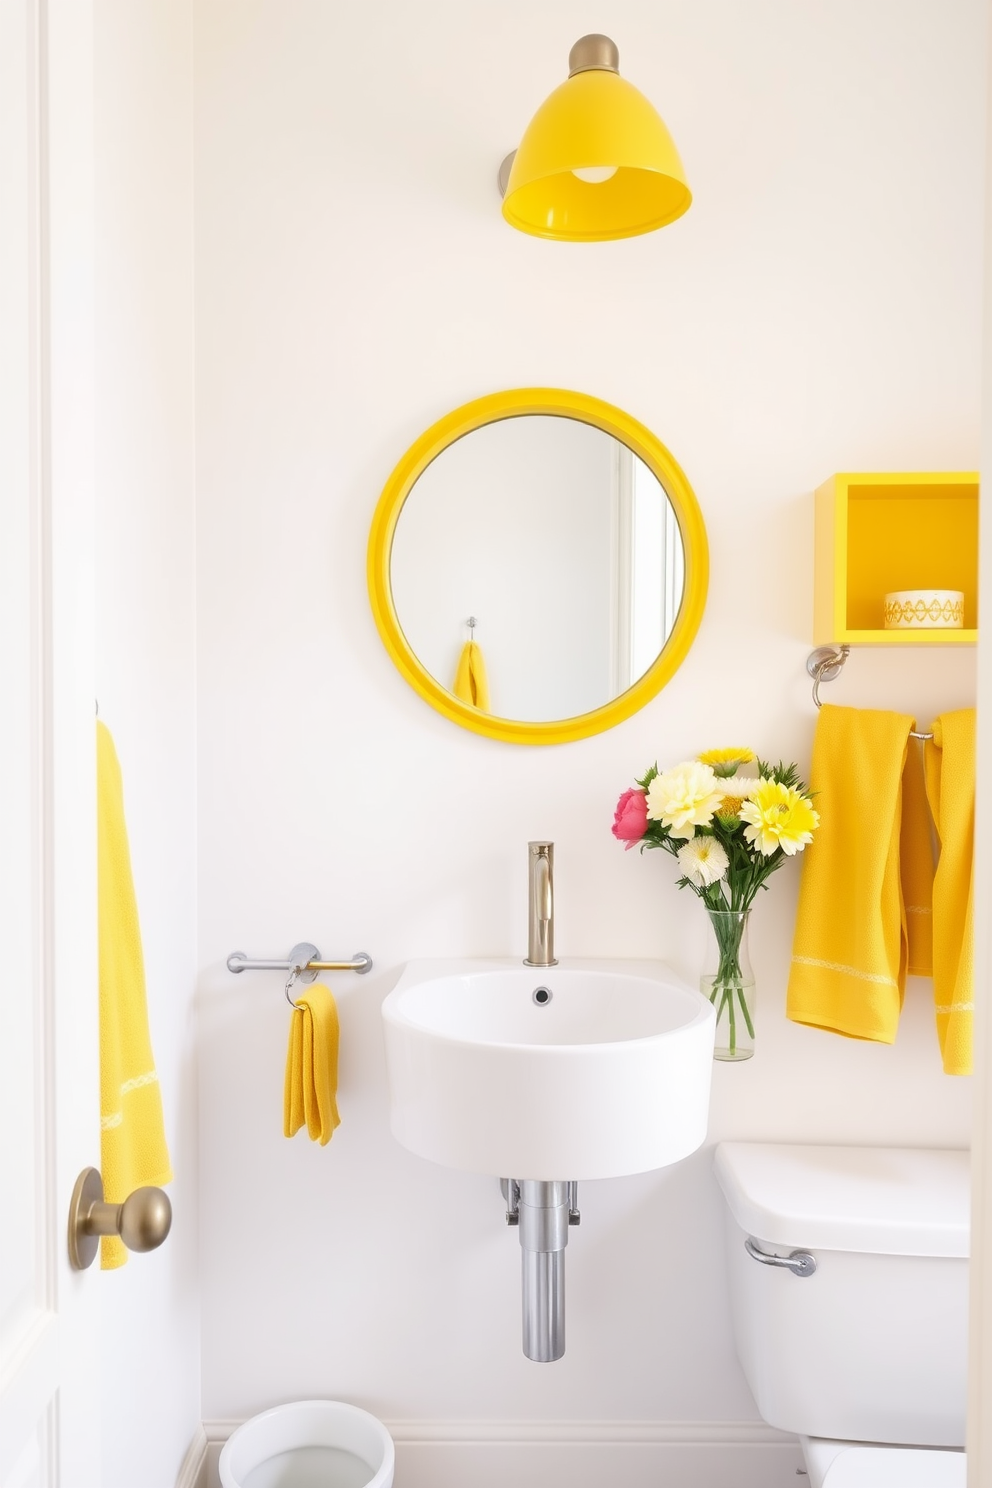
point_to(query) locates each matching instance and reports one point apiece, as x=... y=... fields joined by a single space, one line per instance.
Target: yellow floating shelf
x=877 y=533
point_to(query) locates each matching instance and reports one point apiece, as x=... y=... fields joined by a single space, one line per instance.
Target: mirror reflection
x=561 y=544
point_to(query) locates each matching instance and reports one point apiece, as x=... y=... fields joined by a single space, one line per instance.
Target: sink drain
x=542 y=996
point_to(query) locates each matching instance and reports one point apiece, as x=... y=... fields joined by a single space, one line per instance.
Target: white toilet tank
x=873 y=1345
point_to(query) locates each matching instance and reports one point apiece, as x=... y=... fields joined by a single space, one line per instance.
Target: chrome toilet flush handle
x=799 y=1262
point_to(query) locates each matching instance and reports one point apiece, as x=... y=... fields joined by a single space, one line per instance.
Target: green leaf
x=787 y=775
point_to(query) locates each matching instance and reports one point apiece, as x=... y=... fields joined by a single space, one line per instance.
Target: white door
x=49 y=1093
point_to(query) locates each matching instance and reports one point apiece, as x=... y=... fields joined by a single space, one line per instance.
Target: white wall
x=146 y=671
x=816 y=310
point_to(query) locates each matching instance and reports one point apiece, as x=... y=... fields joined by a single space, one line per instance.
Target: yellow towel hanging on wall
x=133 y=1149
x=950 y=772
x=916 y=863
x=850 y=952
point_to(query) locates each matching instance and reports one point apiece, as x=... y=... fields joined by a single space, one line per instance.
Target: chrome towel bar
x=303 y=959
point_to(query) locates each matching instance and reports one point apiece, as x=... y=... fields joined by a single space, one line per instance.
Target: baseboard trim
x=696 y=1433
x=585 y=1454
x=742 y=1433
x=192 y=1473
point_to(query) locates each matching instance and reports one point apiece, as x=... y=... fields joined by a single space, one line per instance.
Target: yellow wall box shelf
x=876 y=533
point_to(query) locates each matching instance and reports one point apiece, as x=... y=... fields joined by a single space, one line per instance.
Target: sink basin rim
x=420 y=972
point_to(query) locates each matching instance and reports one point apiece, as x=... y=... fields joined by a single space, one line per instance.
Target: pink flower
x=630 y=819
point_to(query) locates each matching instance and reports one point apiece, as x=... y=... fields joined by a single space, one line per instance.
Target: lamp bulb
x=595 y=174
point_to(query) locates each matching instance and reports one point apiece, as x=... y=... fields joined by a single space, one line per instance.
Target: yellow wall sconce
x=596 y=160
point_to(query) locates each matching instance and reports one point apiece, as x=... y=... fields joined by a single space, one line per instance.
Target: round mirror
x=537 y=566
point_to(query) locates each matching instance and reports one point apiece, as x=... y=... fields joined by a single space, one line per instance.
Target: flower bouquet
x=730 y=832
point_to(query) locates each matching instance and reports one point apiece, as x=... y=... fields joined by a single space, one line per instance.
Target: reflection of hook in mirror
x=572 y=529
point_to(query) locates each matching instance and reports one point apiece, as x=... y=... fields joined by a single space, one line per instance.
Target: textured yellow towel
x=950 y=768
x=312 y=1066
x=133 y=1151
x=471 y=682
x=849 y=953
x=916 y=859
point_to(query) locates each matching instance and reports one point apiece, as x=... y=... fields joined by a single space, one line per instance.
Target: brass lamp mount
x=503 y=174
x=594 y=53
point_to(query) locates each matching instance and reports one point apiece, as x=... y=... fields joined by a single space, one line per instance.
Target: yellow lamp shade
x=595 y=122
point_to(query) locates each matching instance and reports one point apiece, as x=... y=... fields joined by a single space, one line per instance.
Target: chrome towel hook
x=826 y=663
x=299 y=970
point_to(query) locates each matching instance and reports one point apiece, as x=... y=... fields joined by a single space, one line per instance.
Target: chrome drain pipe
x=543 y=1212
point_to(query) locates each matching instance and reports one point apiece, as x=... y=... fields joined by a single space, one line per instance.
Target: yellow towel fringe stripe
x=862 y=976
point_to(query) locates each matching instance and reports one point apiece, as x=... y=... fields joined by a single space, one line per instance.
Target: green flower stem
x=744 y=1010
x=728 y=983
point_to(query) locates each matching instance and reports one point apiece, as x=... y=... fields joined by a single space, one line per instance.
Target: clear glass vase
x=728 y=981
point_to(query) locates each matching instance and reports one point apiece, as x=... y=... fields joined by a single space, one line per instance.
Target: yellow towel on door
x=133 y=1150
x=471 y=682
x=950 y=776
x=850 y=949
x=310 y=1093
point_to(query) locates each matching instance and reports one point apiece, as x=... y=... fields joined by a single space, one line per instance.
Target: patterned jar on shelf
x=924 y=609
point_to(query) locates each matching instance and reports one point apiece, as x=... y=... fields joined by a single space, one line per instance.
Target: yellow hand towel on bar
x=310 y=1094
x=950 y=772
x=133 y=1150
x=849 y=953
x=471 y=682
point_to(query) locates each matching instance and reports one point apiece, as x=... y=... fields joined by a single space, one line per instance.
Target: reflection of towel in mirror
x=471 y=682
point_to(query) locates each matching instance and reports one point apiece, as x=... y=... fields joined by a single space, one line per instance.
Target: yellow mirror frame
x=514 y=404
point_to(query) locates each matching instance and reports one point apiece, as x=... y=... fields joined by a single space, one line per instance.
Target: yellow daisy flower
x=779 y=816
x=724 y=762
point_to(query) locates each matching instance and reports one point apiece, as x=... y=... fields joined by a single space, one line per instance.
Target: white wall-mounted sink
x=609 y=1076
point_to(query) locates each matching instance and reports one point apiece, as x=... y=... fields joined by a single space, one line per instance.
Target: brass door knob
x=142 y=1221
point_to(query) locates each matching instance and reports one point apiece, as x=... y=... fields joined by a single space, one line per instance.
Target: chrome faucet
x=540 y=904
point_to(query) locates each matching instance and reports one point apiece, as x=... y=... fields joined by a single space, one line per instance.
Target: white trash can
x=309 y=1444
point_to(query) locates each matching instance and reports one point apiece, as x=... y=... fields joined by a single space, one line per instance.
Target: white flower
x=685 y=797
x=740 y=786
x=703 y=861
x=736 y=790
